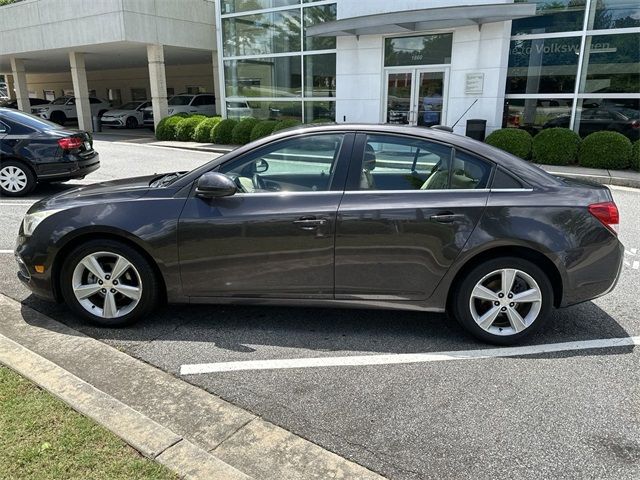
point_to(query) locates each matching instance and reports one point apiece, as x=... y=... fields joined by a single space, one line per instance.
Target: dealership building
x=526 y=64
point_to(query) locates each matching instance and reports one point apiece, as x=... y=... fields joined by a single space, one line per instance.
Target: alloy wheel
x=13 y=179
x=107 y=285
x=505 y=302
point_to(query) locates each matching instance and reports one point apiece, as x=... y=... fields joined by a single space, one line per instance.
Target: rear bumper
x=78 y=168
x=595 y=274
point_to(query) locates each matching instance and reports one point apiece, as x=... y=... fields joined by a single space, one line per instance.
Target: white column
x=20 y=84
x=158 y=81
x=81 y=90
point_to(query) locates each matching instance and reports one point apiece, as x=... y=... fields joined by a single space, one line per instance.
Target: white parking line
x=5 y=252
x=390 y=359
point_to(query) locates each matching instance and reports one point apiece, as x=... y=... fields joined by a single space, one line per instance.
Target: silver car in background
x=129 y=115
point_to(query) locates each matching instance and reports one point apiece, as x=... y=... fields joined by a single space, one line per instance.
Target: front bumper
x=39 y=283
x=113 y=121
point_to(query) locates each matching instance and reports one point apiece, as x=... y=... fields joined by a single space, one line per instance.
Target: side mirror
x=261 y=166
x=214 y=184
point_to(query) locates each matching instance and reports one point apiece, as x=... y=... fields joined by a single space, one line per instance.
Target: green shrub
x=166 y=129
x=222 y=133
x=187 y=127
x=515 y=141
x=605 y=150
x=262 y=129
x=242 y=132
x=288 y=123
x=321 y=120
x=204 y=129
x=556 y=146
x=635 y=155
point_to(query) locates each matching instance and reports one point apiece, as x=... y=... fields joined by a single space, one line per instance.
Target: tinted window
x=504 y=180
x=29 y=121
x=180 y=100
x=403 y=163
x=94 y=100
x=3 y=128
x=295 y=165
x=60 y=101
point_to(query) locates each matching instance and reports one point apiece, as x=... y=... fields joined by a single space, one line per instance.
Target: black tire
x=21 y=171
x=132 y=123
x=149 y=297
x=59 y=118
x=461 y=298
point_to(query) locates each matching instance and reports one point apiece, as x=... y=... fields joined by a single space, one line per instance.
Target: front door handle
x=309 y=223
x=446 y=217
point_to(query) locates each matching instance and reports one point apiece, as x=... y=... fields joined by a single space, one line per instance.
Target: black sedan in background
x=340 y=215
x=34 y=102
x=33 y=150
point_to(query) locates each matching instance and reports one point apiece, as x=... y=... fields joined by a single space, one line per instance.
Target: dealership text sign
x=538 y=47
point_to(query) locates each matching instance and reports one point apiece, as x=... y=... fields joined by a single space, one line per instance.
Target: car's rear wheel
x=109 y=283
x=132 y=122
x=16 y=179
x=503 y=300
x=59 y=118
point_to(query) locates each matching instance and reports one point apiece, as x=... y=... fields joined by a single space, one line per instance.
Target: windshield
x=180 y=100
x=30 y=120
x=129 y=106
x=60 y=101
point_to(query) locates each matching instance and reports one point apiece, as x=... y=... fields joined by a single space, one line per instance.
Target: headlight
x=32 y=220
x=121 y=115
x=41 y=110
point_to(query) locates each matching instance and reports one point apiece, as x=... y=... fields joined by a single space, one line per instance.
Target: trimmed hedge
x=222 y=134
x=204 y=129
x=513 y=140
x=288 y=123
x=605 y=150
x=556 y=146
x=166 y=129
x=187 y=127
x=242 y=132
x=263 y=129
x=635 y=155
x=322 y=120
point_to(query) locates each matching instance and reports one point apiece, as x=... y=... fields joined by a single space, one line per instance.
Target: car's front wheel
x=109 y=283
x=15 y=179
x=503 y=300
x=132 y=123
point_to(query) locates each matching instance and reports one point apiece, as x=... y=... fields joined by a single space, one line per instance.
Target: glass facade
x=271 y=69
x=576 y=64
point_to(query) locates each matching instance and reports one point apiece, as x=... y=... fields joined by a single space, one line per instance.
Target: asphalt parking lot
x=573 y=414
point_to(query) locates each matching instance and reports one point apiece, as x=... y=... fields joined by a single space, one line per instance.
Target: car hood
x=117 y=113
x=116 y=190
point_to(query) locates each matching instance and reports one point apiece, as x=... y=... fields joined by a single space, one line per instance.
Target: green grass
x=42 y=438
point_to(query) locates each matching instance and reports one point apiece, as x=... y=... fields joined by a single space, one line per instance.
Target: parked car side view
x=333 y=215
x=63 y=109
x=200 y=104
x=34 y=102
x=129 y=115
x=33 y=150
x=616 y=119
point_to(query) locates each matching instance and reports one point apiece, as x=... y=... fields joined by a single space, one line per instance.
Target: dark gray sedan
x=339 y=215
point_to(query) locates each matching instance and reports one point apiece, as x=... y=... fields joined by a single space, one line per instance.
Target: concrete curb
x=148 y=437
x=189 y=430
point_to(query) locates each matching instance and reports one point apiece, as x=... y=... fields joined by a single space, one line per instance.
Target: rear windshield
x=29 y=120
x=180 y=100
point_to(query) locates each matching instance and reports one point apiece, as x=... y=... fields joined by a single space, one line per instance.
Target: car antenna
x=465 y=112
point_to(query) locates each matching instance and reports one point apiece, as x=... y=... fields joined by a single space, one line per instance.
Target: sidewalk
x=194 y=433
x=624 y=178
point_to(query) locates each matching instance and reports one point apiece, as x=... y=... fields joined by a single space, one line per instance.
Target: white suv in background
x=201 y=104
x=64 y=108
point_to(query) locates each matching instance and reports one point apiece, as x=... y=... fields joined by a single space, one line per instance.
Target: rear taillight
x=635 y=124
x=607 y=214
x=70 y=143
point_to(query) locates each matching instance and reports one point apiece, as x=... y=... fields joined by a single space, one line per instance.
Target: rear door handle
x=309 y=223
x=446 y=217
